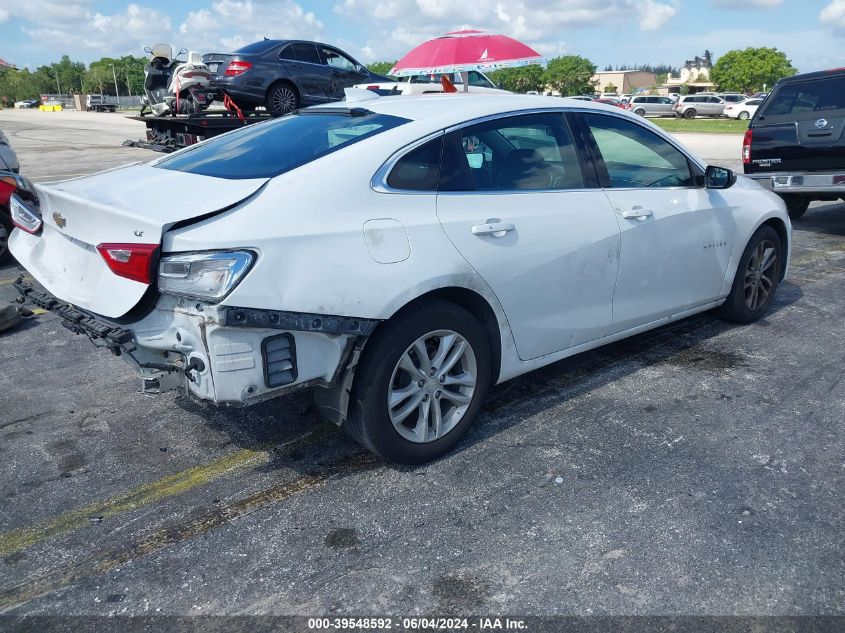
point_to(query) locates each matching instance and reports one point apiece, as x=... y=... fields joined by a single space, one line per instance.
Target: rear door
x=315 y=79
x=801 y=126
x=515 y=200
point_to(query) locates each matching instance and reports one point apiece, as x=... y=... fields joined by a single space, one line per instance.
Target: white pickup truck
x=424 y=84
x=101 y=103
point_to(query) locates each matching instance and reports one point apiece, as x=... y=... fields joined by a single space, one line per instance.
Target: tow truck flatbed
x=169 y=133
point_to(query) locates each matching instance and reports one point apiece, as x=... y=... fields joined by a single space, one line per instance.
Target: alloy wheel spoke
x=422 y=356
x=768 y=259
x=464 y=379
x=437 y=418
x=421 y=428
x=398 y=396
x=457 y=353
x=456 y=396
x=407 y=364
x=406 y=409
x=443 y=349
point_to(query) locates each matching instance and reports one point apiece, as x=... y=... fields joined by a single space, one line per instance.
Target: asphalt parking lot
x=694 y=469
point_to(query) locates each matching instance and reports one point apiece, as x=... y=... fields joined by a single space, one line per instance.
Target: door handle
x=496 y=229
x=637 y=213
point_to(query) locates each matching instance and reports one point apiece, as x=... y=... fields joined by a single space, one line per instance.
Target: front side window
x=636 y=157
x=268 y=149
x=336 y=60
x=528 y=152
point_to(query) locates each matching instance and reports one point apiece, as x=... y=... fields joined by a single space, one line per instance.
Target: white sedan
x=398 y=255
x=743 y=110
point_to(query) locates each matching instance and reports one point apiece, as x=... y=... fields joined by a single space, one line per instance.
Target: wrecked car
x=398 y=256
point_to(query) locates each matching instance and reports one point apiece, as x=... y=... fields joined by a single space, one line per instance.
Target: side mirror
x=148 y=50
x=718 y=177
x=183 y=51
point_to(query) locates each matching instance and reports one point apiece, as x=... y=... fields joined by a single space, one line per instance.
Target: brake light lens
x=23 y=217
x=746 y=147
x=236 y=68
x=132 y=261
x=8 y=185
x=209 y=276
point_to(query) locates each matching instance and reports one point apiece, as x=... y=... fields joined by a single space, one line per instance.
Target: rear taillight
x=236 y=68
x=133 y=261
x=23 y=217
x=8 y=185
x=746 y=147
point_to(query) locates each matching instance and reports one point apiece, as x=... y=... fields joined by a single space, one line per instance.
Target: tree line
x=68 y=77
x=749 y=70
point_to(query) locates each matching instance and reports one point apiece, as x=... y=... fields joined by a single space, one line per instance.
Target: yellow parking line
x=6 y=282
x=16 y=540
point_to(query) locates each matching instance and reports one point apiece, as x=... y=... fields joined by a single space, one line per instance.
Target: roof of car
x=462 y=107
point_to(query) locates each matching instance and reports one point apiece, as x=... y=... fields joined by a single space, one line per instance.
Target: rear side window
x=530 y=152
x=287 y=53
x=268 y=149
x=419 y=169
x=306 y=53
x=807 y=98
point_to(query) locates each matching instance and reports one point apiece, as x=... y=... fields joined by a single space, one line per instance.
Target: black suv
x=282 y=75
x=795 y=144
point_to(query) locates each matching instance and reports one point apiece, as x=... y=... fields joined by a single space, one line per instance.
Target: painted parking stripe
x=16 y=540
x=104 y=562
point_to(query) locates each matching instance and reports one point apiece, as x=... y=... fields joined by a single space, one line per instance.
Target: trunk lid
x=131 y=205
x=217 y=63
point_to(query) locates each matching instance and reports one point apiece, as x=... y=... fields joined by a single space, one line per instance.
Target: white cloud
x=746 y=4
x=833 y=16
x=395 y=25
x=201 y=21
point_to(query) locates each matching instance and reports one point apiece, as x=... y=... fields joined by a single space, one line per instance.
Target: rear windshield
x=268 y=149
x=807 y=98
x=256 y=48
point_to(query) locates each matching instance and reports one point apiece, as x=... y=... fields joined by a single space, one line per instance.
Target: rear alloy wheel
x=756 y=279
x=639 y=112
x=420 y=384
x=690 y=114
x=743 y=116
x=796 y=206
x=282 y=99
x=5 y=231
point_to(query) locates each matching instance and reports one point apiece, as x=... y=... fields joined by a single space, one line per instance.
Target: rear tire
x=639 y=112
x=282 y=99
x=756 y=279
x=690 y=114
x=796 y=206
x=743 y=116
x=433 y=403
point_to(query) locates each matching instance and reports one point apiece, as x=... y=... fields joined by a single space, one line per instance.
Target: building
x=695 y=75
x=5 y=64
x=624 y=81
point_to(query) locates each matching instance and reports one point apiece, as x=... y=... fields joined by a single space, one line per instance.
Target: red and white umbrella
x=463 y=51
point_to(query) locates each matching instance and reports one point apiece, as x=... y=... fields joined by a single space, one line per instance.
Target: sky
x=810 y=32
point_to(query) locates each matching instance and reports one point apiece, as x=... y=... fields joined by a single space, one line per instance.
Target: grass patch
x=712 y=126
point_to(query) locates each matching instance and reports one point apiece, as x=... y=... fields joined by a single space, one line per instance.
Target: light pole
x=114 y=75
x=128 y=87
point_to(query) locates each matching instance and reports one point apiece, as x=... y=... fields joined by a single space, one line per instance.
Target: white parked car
x=743 y=110
x=477 y=82
x=401 y=256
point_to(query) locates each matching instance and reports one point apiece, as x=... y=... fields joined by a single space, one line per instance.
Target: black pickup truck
x=795 y=144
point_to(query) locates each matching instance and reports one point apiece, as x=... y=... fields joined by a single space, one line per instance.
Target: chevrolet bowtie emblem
x=59 y=219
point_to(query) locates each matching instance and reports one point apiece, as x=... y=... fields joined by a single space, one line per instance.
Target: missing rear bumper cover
x=298 y=321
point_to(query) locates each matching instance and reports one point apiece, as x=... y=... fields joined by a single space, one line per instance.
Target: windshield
x=268 y=149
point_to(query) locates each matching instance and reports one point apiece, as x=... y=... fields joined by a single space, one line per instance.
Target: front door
x=676 y=235
x=345 y=72
x=515 y=201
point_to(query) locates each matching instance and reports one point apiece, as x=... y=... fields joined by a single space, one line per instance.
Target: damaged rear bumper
x=227 y=355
